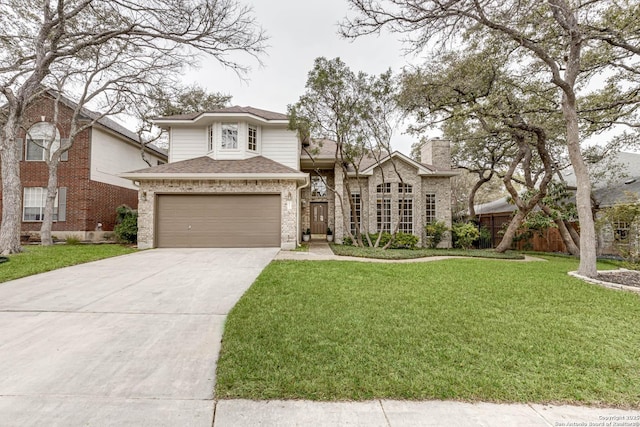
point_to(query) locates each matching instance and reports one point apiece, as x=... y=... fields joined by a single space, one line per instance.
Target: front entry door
x=319 y=218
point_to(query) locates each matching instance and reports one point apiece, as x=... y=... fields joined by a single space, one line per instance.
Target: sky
x=300 y=31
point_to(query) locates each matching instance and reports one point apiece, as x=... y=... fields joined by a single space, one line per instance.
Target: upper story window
x=229 y=139
x=252 y=142
x=318 y=186
x=211 y=138
x=41 y=135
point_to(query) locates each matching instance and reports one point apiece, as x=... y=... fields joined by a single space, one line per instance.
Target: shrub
x=72 y=240
x=465 y=234
x=126 y=229
x=435 y=233
x=404 y=241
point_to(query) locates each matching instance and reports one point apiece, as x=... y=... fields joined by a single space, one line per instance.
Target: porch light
x=289 y=203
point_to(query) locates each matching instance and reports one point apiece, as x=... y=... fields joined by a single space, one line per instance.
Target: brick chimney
x=436 y=152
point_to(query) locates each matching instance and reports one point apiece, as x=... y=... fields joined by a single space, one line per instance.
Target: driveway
x=131 y=340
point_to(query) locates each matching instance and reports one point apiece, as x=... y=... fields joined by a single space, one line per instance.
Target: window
x=252 y=143
x=357 y=203
x=383 y=206
x=430 y=208
x=405 y=188
x=229 y=136
x=384 y=188
x=211 y=138
x=405 y=207
x=35 y=199
x=41 y=135
x=621 y=231
x=318 y=186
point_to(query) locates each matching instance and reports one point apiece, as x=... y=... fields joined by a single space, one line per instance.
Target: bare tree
x=37 y=39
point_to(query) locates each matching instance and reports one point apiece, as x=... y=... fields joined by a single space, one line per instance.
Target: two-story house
x=89 y=188
x=238 y=177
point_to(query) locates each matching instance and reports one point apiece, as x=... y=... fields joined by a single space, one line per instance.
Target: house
x=617 y=178
x=89 y=188
x=238 y=177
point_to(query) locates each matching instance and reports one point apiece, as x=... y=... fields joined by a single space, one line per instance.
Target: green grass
x=347 y=250
x=460 y=329
x=38 y=259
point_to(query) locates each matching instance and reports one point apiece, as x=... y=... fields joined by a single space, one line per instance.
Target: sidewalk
x=393 y=413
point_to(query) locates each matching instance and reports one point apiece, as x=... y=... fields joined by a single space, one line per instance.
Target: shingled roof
x=207 y=165
x=264 y=114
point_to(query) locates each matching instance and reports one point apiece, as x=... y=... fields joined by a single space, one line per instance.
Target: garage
x=218 y=220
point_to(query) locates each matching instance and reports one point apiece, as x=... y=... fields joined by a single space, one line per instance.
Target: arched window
x=41 y=135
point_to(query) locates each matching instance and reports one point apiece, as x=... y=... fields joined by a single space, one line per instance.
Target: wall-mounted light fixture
x=289 y=201
x=144 y=196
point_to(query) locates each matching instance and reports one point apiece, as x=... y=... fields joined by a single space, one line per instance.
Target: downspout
x=307 y=181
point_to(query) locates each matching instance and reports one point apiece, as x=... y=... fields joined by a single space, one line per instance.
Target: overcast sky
x=300 y=31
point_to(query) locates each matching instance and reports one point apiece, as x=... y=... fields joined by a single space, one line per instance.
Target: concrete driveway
x=131 y=340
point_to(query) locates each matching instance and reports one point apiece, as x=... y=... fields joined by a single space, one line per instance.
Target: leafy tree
x=41 y=42
x=567 y=43
x=354 y=110
x=500 y=123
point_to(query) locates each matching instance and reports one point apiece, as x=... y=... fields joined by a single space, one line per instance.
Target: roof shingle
x=265 y=114
x=207 y=165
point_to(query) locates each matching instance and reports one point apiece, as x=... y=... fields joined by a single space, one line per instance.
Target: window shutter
x=65 y=154
x=20 y=143
x=62 y=203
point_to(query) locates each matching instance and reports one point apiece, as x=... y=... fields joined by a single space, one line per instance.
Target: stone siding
x=421 y=185
x=149 y=190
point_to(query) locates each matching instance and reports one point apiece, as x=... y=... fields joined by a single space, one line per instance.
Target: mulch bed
x=627 y=278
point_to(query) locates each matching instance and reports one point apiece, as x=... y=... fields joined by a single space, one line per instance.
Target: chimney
x=436 y=152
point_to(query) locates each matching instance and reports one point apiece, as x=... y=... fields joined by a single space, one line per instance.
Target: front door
x=319 y=218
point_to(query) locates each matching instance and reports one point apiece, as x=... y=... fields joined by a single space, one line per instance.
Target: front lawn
x=38 y=259
x=465 y=329
x=379 y=253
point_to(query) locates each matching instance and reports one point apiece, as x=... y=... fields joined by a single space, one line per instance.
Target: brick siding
x=88 y=202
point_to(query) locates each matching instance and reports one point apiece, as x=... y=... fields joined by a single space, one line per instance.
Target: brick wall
x=88 y=202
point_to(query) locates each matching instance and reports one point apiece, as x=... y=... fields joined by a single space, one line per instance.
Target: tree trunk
x=507 y=239
x=587 y=265
x=567 y=238
x=52 y=190
x=572 y=231
x=472 y=195
x=11 y=190
x=563 y=228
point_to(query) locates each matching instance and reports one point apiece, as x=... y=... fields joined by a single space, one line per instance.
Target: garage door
x=218 y=221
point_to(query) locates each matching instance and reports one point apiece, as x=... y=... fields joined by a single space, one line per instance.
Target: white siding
x=281 y=145
x=274 y=142
x=111 y=156
x=188 y=143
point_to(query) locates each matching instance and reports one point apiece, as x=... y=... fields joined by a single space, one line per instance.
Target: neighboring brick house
x=89 y=188
x=238 y=177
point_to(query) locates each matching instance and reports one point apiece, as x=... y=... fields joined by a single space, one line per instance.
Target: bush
x=126 y=229
x=465 y=233
x=435 y=233
x=72 y=240
x=402 y=240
